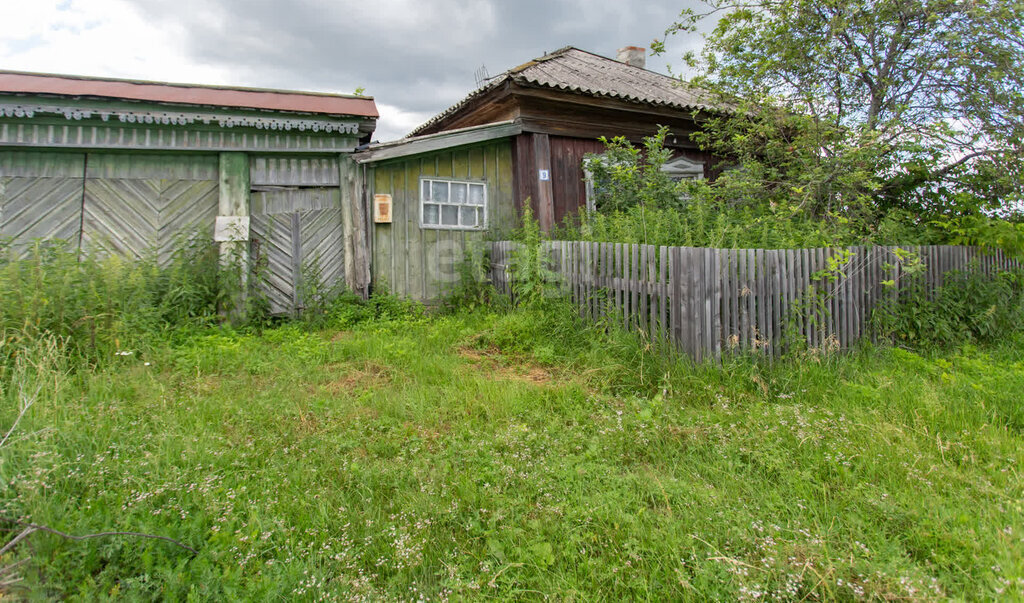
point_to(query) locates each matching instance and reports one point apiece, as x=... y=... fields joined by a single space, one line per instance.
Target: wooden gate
x=139 y=204
x=40 y=197
x=297 y=242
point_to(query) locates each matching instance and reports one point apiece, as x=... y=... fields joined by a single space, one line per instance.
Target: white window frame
x=683 y=168
x=424 y=198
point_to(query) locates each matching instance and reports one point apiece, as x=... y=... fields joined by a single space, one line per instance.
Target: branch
x=33 y=527
x=26 y=403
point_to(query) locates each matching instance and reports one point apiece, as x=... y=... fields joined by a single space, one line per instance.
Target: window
x=682 y=168
x=453 y=204
x=677 y=169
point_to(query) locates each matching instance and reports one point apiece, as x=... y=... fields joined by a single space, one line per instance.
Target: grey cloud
x=418 y=56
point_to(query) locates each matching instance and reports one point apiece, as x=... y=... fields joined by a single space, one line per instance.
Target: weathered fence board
x=709 y=302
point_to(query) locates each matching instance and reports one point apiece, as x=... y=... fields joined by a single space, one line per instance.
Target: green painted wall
x=422 y=263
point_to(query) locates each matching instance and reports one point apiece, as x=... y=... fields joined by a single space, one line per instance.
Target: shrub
x=970 y=306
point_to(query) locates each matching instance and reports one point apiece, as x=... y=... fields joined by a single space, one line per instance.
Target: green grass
x=515 y=456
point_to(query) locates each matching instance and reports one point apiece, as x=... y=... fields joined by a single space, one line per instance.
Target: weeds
x=370 y=451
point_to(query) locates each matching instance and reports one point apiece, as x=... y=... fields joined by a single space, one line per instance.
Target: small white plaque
x=231 y=228
x=544 y=175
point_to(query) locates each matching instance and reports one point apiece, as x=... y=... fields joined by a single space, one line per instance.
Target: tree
x=866 y=107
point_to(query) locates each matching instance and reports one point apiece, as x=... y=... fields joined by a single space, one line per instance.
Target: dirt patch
x=492 y=361
x=357 y=377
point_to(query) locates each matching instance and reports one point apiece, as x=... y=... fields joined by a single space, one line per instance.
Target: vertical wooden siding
x=707 y=302
x=567 y=174
x=422 y=263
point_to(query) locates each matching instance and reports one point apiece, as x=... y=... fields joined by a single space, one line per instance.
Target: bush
x=969 y=307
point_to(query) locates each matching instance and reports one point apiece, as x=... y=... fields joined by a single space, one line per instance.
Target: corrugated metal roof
x=18 y=82
x=582 y=72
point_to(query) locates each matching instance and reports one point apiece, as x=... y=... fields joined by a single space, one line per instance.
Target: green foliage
x=969 y=307
x=104 y=304
x=638 y=203
x=859 y=109
x=625 y=176
x=473 y=289
x=531 y=278
x=509 y=454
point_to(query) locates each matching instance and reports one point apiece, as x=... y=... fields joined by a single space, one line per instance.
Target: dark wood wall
x=565 y=165
x=568 y=191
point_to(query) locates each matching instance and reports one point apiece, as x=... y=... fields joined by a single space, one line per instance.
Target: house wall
x=421 y=263
x=568 y=188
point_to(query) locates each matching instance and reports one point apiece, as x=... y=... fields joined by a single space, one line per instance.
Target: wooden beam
x=233 y=192
x=545 y=200
x=353 y=218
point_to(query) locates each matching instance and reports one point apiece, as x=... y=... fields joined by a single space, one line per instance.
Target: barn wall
x=423 y=263
x=136 y=205
x=40 y=197
x=132 y=205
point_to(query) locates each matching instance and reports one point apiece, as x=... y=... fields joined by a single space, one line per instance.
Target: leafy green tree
x=865 y=108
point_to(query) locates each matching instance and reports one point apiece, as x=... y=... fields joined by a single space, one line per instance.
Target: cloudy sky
x=416 y=57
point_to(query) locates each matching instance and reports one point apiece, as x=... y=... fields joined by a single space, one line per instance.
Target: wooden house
x=465 y=175
x=130 y=167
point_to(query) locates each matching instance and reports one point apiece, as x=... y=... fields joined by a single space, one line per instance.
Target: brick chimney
x=633 y=55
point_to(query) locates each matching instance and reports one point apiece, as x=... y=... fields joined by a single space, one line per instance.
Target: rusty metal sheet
x=190 y=94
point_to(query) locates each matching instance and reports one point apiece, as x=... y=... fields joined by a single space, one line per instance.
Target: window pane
x=458 y=193
x=439 y=191
x=476 y=194
x=449 y=215
x=467 y=216
x=425 y=190
x=480 y=217
x=430 y=213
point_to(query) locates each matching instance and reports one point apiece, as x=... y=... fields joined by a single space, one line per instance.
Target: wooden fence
x=709 y=301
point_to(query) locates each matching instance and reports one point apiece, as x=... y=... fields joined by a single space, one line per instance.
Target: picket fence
x=708 y=302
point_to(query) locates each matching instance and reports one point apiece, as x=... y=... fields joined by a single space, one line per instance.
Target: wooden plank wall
x=422 y=263
x=40 y=197
x=709 y=302
x=297 y=228
x=133 y=205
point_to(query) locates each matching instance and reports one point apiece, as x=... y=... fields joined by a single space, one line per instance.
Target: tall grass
x=102 y=304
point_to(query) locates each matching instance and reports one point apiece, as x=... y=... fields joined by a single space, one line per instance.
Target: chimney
x=633 y=55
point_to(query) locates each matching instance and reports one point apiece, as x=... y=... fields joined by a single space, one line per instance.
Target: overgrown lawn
x=519 y=455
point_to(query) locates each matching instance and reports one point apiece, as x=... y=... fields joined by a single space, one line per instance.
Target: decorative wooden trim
x=180 y=118
x=134 y=137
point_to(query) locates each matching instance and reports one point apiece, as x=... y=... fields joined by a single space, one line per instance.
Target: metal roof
x=17 y=82
x=414 y=145
x=581 y=72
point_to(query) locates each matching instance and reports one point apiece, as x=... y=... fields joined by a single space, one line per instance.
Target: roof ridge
x=584 y=72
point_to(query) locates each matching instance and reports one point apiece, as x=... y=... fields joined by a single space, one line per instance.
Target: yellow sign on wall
x=382 y=209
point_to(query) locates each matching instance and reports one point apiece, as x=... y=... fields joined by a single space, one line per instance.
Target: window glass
x=439 y=191
x=458 y=193
x=450 y=204
x=449 y=215
x=431 y=214
x=476 y=194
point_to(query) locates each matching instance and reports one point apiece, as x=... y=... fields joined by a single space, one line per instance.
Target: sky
x=415 y=57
